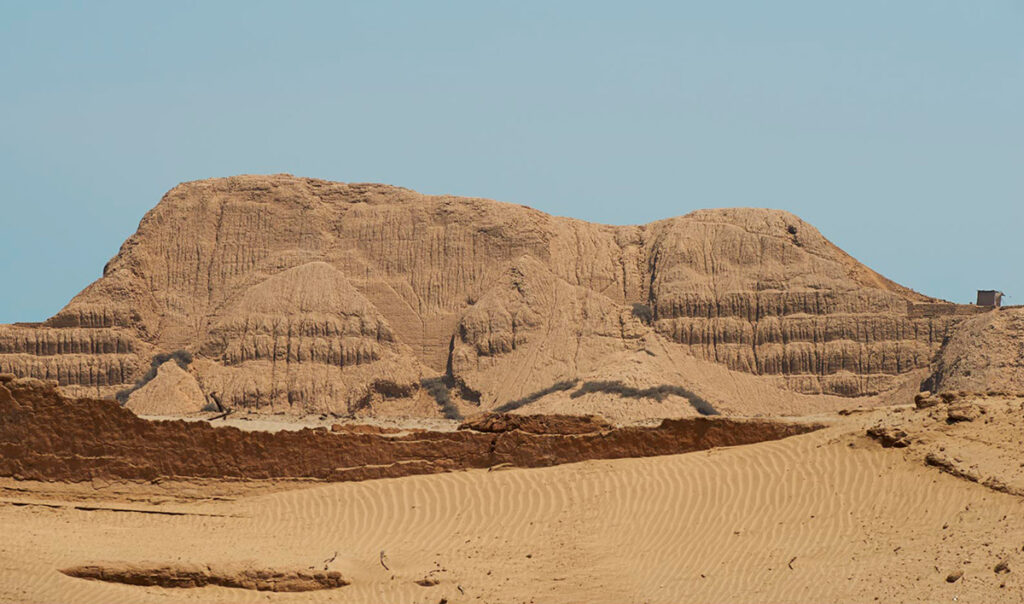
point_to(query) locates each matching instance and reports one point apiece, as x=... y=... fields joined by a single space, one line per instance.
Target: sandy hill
x=984 y=354
x=302 y=295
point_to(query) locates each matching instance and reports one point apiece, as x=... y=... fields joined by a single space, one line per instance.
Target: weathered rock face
x=985 y=354
x=99 y=360
x=300 y=294
x=763 y=292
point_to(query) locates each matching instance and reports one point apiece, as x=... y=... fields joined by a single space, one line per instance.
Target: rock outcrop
x=304 y=295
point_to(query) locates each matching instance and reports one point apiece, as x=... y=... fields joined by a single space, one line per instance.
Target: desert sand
x=829 y=516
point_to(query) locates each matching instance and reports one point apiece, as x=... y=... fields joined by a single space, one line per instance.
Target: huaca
x=302 y=295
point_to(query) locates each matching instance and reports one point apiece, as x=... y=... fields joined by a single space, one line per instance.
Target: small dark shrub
x=792 y=232
x=643 y=312
x=440 y=389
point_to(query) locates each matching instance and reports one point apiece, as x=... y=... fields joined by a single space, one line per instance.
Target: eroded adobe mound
x=46 y=436
x=304 y=295
x=985 y=354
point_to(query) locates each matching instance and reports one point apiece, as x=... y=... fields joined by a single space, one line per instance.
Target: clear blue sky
x=897 y=128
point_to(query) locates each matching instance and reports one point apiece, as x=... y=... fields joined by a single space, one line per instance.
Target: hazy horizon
x=895 y=130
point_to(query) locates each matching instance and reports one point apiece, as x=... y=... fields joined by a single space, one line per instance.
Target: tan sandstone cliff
x=304 y=295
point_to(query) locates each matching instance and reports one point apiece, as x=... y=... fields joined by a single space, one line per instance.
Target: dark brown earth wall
x=47 y=436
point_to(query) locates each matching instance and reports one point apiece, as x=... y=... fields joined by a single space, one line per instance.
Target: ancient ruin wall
x=46 y=436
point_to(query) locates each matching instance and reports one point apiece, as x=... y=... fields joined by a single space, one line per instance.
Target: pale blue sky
x=894 y=127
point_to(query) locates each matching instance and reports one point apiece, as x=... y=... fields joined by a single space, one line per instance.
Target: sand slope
x=823 y=517
x=173 y=390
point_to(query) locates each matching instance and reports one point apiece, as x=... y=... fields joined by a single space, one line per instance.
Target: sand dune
x=823 y=517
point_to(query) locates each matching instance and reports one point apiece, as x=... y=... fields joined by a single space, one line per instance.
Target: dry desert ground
x=827 y=516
